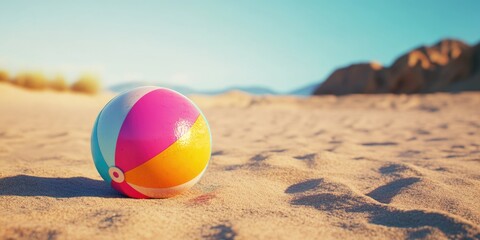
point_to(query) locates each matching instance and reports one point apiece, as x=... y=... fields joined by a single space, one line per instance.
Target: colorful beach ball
x=151 y=142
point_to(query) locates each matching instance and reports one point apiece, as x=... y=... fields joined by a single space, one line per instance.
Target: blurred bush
x=4 y=77
x=87 y=84
x=19 y=79
x=58 y=83
x=31 y=80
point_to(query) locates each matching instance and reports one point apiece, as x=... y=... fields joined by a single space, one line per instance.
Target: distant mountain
x=252 y=90
x=186 y=90
x=450 y=65
x=304 y=91
x=130 y=85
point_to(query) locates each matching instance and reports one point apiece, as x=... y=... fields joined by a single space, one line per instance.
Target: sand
x=356 y=167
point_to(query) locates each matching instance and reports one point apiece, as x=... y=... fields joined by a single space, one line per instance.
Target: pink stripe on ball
x=165 y=116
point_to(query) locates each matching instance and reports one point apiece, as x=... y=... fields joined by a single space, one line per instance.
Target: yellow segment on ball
x=179 y=163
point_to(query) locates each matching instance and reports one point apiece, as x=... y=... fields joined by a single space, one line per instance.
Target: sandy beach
x=356 y=167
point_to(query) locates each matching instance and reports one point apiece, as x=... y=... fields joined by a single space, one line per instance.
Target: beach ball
x=151 y=142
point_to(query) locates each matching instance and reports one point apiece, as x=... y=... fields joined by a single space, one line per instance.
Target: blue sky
x=215 y=44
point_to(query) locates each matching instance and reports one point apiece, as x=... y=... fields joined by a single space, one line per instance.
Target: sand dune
x=359 y=166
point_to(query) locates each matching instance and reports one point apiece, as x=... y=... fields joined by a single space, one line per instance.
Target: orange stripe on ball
x=179 y=163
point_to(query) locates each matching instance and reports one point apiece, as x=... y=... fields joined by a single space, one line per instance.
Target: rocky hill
x=450 y=65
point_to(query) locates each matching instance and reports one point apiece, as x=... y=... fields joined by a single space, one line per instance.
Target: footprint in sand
x=222 y=231
x=385 y=193
x=218 y=153
x=335 y=142
x=233 y=167
x=29 y=233
x=375 y=144
x=309 y=159
x=443 y=126
x=108 y=219
x=304 y=186
x=436 y=139
x=393 y=169
x=258 y=158
x=452 y=227
x=422 y=132
x=412 y=220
